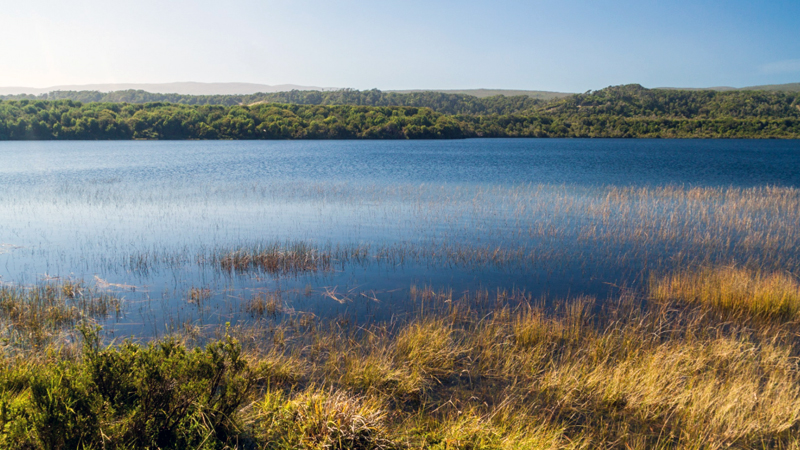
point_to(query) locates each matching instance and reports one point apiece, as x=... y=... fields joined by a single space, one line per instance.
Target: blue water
x=82 y=210
x=497 y=161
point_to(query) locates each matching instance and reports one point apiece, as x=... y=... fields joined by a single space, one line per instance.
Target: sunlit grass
x=564 y=374
x=321 y=419
x=474 y=370
x=774 y=295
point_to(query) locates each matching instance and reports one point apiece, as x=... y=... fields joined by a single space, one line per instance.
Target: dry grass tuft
x=735 y=290
x=277 y=370
x=196 y=296
x=319 y=419
x=428 y=347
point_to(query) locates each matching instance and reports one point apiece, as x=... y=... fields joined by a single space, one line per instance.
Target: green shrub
x=160 y=395
x=165 y=396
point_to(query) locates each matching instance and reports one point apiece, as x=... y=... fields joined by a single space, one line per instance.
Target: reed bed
x=264 y=303
x=528 y=226
x=290 y=258
x=648 y=226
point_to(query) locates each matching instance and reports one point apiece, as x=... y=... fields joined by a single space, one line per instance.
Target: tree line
x=66 y=119
x=624 y=101
x=445 y=103
x=621 y=111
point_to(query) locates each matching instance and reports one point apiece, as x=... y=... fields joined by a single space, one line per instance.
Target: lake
x=192 y=233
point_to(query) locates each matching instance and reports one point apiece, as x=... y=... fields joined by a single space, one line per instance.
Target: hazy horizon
x=238 y=88
x=554 y=46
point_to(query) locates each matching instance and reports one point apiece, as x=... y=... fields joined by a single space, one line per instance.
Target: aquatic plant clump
x=290 y=258
x=37 y=313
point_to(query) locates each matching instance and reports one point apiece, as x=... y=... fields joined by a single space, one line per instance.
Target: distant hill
x=445 y=103
x=247 y=89
x=483 y=93
x=215 y=89
x=635 y=101
x=789 y=87
x=183 y=88
x=629 y=101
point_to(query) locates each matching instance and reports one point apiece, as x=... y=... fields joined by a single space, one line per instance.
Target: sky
x=568 y=46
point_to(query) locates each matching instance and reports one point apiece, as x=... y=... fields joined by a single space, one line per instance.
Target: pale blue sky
x=562 y=45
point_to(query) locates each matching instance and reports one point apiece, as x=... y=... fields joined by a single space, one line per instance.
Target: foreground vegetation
x=708 y=359
x=621 y=111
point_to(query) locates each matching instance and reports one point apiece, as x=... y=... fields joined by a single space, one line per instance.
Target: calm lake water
x=152 y=221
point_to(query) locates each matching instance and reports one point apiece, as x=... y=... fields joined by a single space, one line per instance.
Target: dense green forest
x=636 y=101
x=438 y=101
x=620 y=111
x=625 y=101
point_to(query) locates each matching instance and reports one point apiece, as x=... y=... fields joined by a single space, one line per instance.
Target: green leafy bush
x=160 y=395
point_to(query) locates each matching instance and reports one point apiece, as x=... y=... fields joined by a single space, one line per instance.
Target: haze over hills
x=483 y=93
x=788 y=87
x=196 y=88
x=183 y=88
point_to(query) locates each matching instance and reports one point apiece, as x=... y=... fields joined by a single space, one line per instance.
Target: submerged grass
x=265 y=303
x=665 y=371
x=529 y=225
x=33 y=315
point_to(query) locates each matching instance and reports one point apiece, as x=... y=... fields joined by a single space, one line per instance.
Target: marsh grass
x=38 y=313
x=264 y=303
x=288 y=258
x=535 y=227
x=735 y=290
x=706 y=356
x=569 y=374
x=515 y=373
x=315 y=418
x=198 y=295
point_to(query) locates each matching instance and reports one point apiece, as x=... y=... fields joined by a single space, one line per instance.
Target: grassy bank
x=707 y=359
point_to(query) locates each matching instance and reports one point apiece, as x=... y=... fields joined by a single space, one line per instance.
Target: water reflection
x=355 y=228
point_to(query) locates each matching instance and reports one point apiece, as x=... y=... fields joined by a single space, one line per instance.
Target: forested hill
x=437 y=101
x=620 y=111
x=622 y=101
x=635 y=101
